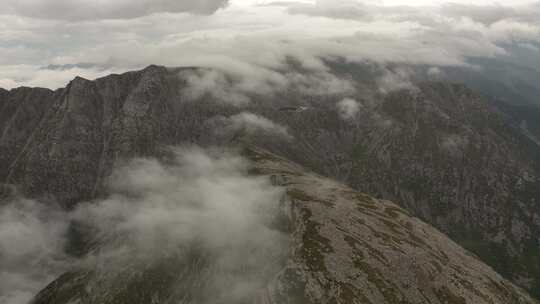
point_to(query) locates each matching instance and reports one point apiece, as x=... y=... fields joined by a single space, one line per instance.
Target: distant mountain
x=440 y=150
x=502 y=79
x=526 y=118
x=509 y=82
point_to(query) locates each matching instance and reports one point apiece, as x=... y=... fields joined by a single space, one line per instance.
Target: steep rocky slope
x=445 y=155
x=345 y=247
x=438 y=150
x=526 y=118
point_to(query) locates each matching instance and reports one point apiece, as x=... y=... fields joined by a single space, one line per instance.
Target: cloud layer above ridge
x=250 y=37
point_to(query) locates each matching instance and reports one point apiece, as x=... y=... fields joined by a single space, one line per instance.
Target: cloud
x=435 y=73
x=454 y=144
x=319 y=84
x=254 y=45
x=214 y=84
x=105 y=9
x=224 y=129
x=458 y=29
x=7 y=83
x=333 y=9
x=492 y=13
x=396 y=80
x=486 y=14
x=155 y=211
x=348 y=108
x=239 y=84
x=32 y=239
x=250 y=124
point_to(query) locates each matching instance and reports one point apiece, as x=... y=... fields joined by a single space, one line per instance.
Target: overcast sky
x=48 y=42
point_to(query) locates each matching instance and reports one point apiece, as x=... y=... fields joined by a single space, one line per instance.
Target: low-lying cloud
x=251 y=124
x=348 y=108
x=396 y=80
x=31 y=248
x=238 y=86
x=255 y=43
x=155 y=211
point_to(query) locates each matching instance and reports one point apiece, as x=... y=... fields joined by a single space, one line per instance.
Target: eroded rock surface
x=441 y=152
x=345 y=247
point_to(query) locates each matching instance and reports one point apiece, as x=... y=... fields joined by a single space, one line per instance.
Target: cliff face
x=345 y=247
x=21 y=113
x=439 y=150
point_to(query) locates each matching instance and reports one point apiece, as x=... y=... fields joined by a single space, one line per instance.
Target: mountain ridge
x=345 y=247
x=440 y=150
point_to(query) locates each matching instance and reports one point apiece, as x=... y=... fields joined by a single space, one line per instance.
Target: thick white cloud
x=155 y=211
x=105 y=9
x=348 y=108
x=254 y=41
x=31 y=248
x=397 y=80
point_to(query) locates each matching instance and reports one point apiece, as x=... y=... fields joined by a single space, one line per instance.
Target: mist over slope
x=197 y=217
x=124 y=184
x=438 y=149
x=342 y=246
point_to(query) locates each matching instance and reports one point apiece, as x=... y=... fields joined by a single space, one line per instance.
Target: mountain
x=526 y=118
x=510 y=82
x=345 y=247
x=438 y=149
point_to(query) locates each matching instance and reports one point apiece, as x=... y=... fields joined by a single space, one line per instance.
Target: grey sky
x=105 y=9
x=250 y=38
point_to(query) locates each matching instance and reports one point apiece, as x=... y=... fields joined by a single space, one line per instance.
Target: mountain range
x=451 y=179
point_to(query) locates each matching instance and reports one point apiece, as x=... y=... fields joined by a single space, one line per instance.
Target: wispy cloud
x=155 y=211
x=348 y=108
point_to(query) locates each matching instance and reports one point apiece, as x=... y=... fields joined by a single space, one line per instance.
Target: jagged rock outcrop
x=439 y=150
x=345 y=247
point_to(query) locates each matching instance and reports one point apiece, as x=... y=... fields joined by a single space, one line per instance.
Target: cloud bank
x=255 y=44
x=238 y=85
x=155 y=211
x=105 y=9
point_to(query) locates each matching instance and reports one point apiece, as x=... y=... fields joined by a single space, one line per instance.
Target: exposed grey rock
x=440 y=152
x=346 y=247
